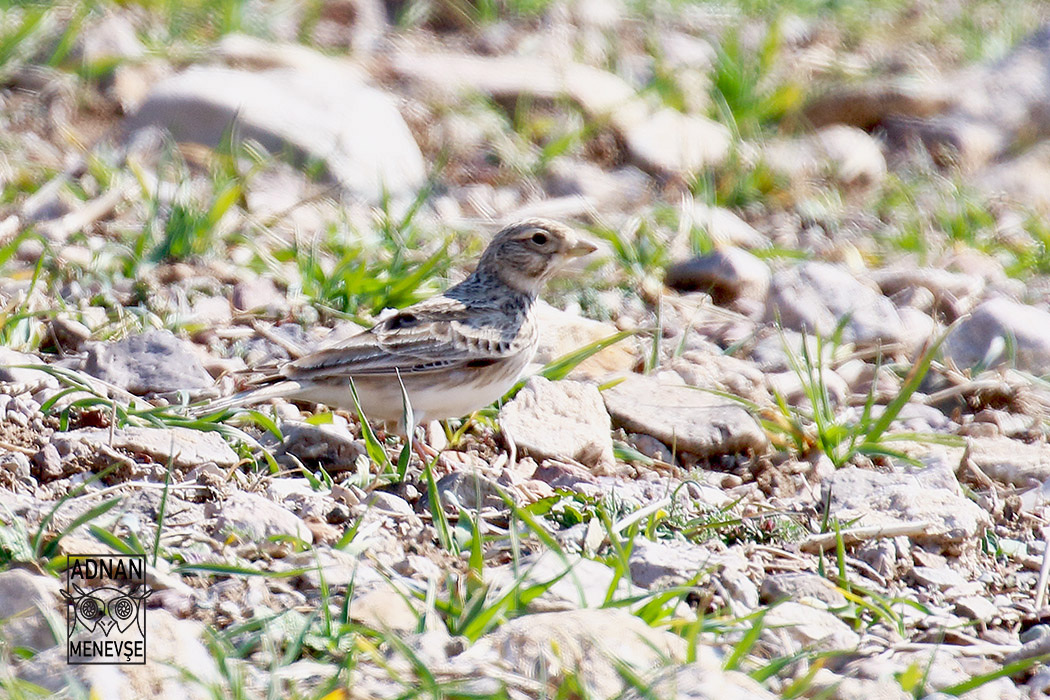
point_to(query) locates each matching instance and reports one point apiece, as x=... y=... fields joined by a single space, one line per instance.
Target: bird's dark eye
x=539 y=238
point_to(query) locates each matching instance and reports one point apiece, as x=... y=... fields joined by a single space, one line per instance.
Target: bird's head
x=526 y=254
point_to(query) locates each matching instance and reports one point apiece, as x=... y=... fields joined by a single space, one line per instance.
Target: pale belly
x=449 y=395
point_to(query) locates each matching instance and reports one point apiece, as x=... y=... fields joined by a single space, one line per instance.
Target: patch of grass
x=744 y=86
x=1031 y=258
x=188 y=225
x=486 y=12
x=640 y=251
x=737 y=184
x=369 y=275
x=177 y=26
x=930 y=215
x=819 y=425
x=360 y=280
x=23 y=31
x=21 y=324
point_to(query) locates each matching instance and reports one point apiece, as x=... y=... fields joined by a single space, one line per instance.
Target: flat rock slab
x=662 y=140
x=559 y=420
x=866 y=498
x=851 y=156
x=682 y=417
x=325 y=113
x=814 y=296
x=652 y=560
x=254 y=518
x=562 y=332
x=995 y=326
x=579 y=582
x=810 y=627
x=12 y=372
x=727 y=274
x=27 y=605
x=1011 y=461
x=151 y=363
x=801 y=585
x=591 y=643
x=698 y=681
x=186 y=448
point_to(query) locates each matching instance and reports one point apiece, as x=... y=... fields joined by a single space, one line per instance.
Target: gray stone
x=710 y=369
x=471 y=490
x=151 y=363
x=48 y=463
x=259 y=294
x=807 y=627
x=564 y=475
x=329 y=443
x=976 y=607
x=861 y=688
x=1024 y=179
x=867 y=498
x=560 y=420
x=651 y=447
x=937 y=577
x=68 y=334
x=15 y=469
x=990 y=107
x=727 y=274
x=652 y=561
x=699 y=681
x=661 y=140
x=670 y=142
x=113 y=38
x=562 y=332
x=723 y=227
x=953 y=292
x=942 y=666
x=390 y=504
x=253 y=518
x=814 y=296
x=683 y=418
x=592 y=644
x=579 y=582
x=663 y=563
x=322 y=111
x=384 y=607
x=184 y=447
x=847 y=155
x=997 y=326
x=603 y=188
x=801 y=585
x=11 y=373
x=28 y=615
x=1010 y=461
x=793 y=387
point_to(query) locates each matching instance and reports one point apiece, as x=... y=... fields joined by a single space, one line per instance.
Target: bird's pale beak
x=581 y=248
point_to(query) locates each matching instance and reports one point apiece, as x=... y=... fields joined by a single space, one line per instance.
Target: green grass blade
x=911 y=384
x=742 y=648
x=49 y=548
x=372 y=445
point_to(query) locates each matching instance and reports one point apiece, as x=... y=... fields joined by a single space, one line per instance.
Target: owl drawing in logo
x=105 y=608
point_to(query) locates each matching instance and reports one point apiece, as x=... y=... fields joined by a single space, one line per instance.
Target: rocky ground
x=786 y=435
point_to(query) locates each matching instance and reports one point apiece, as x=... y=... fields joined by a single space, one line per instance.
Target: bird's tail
x=250 y=397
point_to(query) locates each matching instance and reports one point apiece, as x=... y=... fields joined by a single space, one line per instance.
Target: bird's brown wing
x=434 y=335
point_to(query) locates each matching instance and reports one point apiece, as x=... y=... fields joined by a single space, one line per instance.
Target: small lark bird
x=455 y=352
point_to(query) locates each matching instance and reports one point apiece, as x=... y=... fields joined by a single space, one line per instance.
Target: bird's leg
x=424 y=451
x=428 y=454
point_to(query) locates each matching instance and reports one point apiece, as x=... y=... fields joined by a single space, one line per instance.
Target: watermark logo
x=106 y=613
